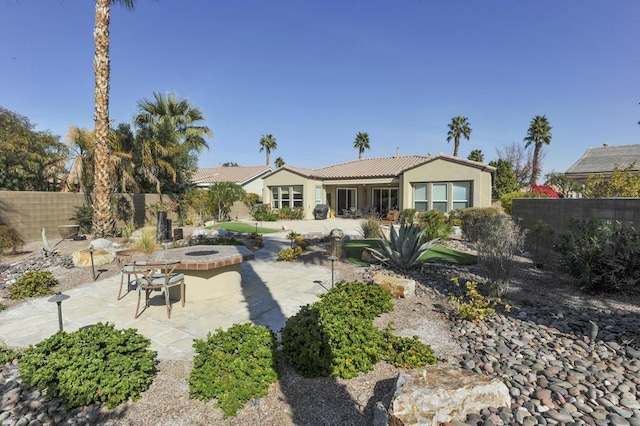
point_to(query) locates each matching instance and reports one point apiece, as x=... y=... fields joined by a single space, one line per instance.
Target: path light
x=332 y=258
x=93 y=269
x=256 y=228
x=59 y=298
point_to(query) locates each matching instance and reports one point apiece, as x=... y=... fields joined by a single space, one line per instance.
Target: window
x=439 y=196
x=385 y=199
x=297 y=196
x=420 y=200
x=461 y=192
x=286 y=196
x=318 y=195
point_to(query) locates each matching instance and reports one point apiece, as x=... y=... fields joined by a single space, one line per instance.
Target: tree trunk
x=456 y=147
x=268 y=155
x=534 y=164
x=103 y=224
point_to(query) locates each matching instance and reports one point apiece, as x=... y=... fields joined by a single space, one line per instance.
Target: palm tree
x=459 y=127
x=166 y=128
x=80 y=175
x=103 y=223
x=539 y=134
x=279 y=162
x=267 y=144
x=361 y=142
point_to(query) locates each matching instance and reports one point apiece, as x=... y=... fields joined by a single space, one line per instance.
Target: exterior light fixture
x=59 y=298
x=332 y=258
x=93 y=268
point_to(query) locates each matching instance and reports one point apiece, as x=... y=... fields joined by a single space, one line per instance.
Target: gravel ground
x=541 y=350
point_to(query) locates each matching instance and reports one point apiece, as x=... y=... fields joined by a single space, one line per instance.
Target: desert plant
x=126 y=233
x=601 y=256
x=500 y=241
x=264 y=213
x=288 y=254
x=472 y=305
x=10 y=239
x=289 y=213
x=409 y=215
x=33 y=284
x=146 y=243
x=434 y=224
x=404 y=247
x=291 y=236
x=336 y=336
x=406 y=352
x=470 y=217
x=370 y=227
x=539 y=242
x=234 y=366
x=83 y=216
x=301 y=242
x=94 y=364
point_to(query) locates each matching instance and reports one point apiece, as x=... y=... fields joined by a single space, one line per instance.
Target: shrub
x=289 y=253
x=472 y=305
x=601 y=256
x=404 y=247
x=409 y=215
x=336 y=336
x=263 y=213
x=507 y=199
x=289 y=213
x=8 y=355
x=406 y=352
x=539 y=242
x=434 y=224
x=544 y=190
x=500 y=241
x=251 y=199
x=146 y=243
x=10 y=239
x=83 y=216
x=469 y=218
x=370 y=228
x=301 y=242
x=234 y=366
x=94 y=364
x=33 y=284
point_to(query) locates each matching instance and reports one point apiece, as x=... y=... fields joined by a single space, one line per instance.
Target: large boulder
x=398 y=287
x=443 y=393
x=100 y=257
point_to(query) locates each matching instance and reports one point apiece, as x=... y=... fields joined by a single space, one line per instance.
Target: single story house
x=602 y=161
x=250 y=178
x=377 y=185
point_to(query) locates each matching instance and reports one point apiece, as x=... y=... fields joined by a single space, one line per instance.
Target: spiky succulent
x=403 y=249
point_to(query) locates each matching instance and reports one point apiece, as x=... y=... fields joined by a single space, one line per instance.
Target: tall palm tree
x=103 y=222
x=361 y=142
x=166 y=128
x=459 y=127
x=267 y=144
x=279 y=162
x=539 y=134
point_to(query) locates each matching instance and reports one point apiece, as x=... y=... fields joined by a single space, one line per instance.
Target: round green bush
x=94 y=364
x=33 y=284
x=234 y=366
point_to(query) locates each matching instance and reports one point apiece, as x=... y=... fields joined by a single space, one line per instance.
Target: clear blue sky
x=315 y=72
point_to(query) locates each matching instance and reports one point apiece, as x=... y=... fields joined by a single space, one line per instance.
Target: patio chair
x=124 y=260
x=347 y=214
x=157 y=276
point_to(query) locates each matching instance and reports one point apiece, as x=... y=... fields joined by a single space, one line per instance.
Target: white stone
x=210 y=223
x=443 y=393
x=100 y=257
x=101 y=243
x=220 y=232
x=200 y=233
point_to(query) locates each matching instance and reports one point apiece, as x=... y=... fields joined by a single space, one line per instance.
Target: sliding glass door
x=347 y=198
x=384 y=199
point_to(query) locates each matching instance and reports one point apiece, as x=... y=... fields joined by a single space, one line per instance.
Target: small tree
x=222 y=195
x=505 y=182
x=561 y=182
x=622 y=183
x=476 y=155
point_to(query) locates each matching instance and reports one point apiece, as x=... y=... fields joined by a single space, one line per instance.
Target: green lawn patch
x=354 y=248
x=244 y=228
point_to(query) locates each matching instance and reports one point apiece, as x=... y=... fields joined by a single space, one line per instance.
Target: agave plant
x=403 y=249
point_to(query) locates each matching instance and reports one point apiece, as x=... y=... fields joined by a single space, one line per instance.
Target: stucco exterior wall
x=254 y=187
x=440 y=171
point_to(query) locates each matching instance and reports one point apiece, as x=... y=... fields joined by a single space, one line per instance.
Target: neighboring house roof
x=603 y=159
x=237 y=174
x=370 y=168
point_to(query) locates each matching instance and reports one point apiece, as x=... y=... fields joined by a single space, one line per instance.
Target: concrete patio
x=271 y=292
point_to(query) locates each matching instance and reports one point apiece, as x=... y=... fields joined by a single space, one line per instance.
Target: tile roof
x=238 y=174
x=371 y=167
x=603 y=159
